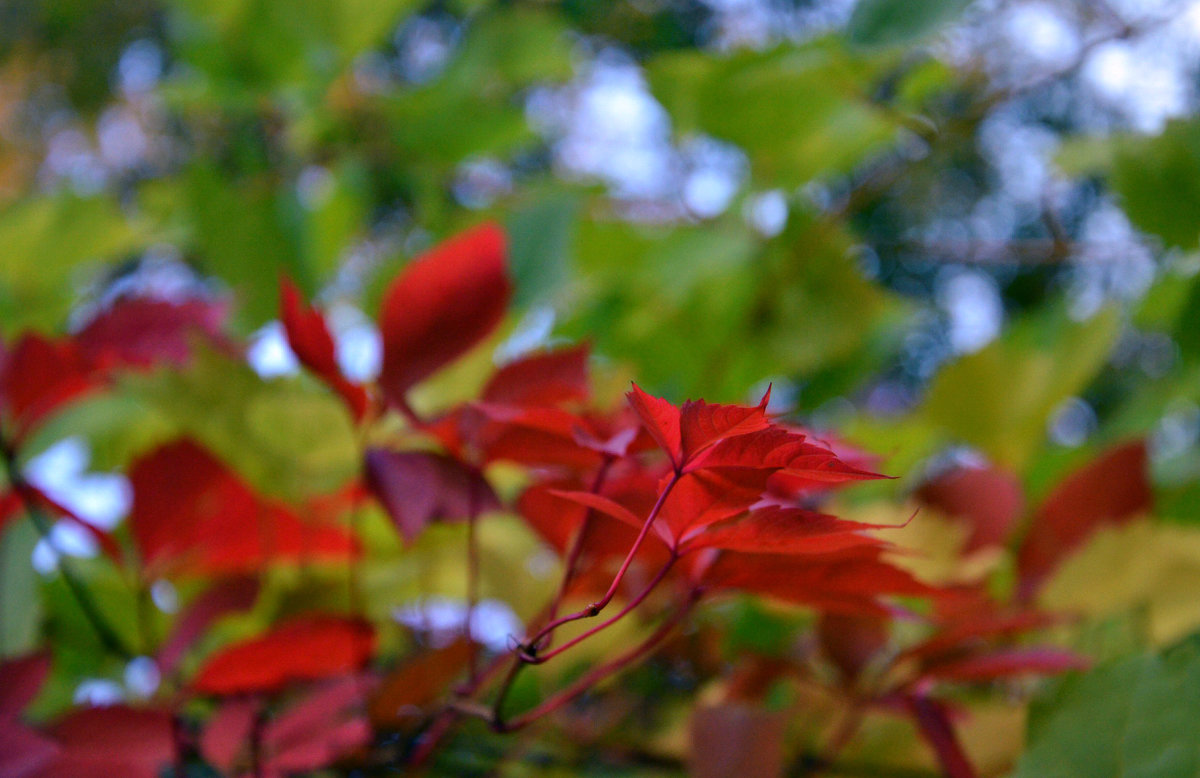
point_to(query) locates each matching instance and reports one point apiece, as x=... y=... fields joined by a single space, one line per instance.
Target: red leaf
x=1112 y=489
x=309 y=338
x=306 y=649
x=225 y=597
x=114 y=741
x=1004 y=663
x=851 y=581
x=23 y=750
x=318 y=729
x=443 y=303
x=602 y=504
x=990 y=500
x=141 y=331
x=37 y=376
x=558 y=520
x=782 y=530
x=417 y=487
x=417 y=683
x=549 y=378
x=701 y=424
x=227 y=734
x=192 y=515
x=661 y=420
x=20 y=681
x=934 y=723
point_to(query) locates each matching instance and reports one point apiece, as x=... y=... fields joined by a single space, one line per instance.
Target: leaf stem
x=595 y=608
x=108 y=636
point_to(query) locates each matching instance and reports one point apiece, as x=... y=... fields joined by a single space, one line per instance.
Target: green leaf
x=20 y=609
x=541 y=234
x=797 y=112
x=892 y=22
x=1159 y=182
x=53 y=246
x=1136 y=717
x=1000 y=398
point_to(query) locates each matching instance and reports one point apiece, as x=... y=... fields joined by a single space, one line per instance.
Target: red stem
x=597 y=674
x=594 y=609
x=576 y=551
x=536 y=659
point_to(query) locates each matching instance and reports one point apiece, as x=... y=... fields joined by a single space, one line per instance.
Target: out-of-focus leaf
x=1158 y=179
x=824 y=126
x=1146 y=708
x=48 y=245
x=20 y=606
x=192 y=515
x=286 y=439
x=541 y=233
x=1144 y=569
x=990 y=500
x=891 y=22
x=305 y=649
x=445 y=302
x=117 y=740
x=241 y=237
x=1112 y=489
x=1000 y=397
x=417 y=487
x=737 y=740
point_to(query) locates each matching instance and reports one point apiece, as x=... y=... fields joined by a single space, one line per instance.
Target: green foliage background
x=857 y=127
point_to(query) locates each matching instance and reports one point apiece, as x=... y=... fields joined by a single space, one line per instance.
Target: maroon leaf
x=443 y=303
x=305 y=649
x=933 y=721
x=309 y=338
x=114 y=741
x=737 y=740
x=142 y=331
x=417 y=487
x=1112 y=489
x=20 y=681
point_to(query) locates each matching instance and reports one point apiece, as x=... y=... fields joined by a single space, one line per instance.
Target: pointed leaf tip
x=444 y=303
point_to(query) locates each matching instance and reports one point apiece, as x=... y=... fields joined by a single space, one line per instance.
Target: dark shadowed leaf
x=417 y=487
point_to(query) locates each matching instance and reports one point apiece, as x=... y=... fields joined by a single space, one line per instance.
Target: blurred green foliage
x=282 y=137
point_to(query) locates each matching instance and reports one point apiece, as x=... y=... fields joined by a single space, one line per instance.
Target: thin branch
x=108 y=636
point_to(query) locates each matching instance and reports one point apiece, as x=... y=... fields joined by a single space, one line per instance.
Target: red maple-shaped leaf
x=683 y=433
x=774 y=529
x=989 y=500
x=309 y=338
x=443 y=303
x=305 y=649
x=142 y=331
x=418 y=487
x=192 y=515
x=1112 y=489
